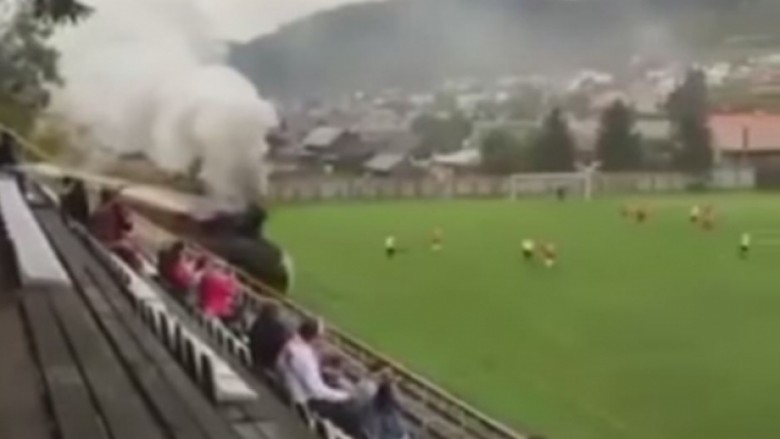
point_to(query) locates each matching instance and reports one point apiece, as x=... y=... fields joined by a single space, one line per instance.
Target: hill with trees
x=415 y=43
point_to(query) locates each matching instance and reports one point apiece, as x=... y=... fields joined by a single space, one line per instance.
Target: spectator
x=176 y=270
x=382 y=418
x=198 y=269
x=111 y=224
x=73 y=200
x=217 y=290
x=299 y=367
x=268 y=336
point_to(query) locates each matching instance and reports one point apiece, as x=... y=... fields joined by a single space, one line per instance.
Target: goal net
x=574 y=184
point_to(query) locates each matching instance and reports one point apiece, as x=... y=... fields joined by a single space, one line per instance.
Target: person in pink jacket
x=217 y=291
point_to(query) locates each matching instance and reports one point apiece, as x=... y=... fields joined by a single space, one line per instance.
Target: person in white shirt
x=300 y=369
x=529 y=246
x=390 y=246
x=744 y=245
x=695 y=215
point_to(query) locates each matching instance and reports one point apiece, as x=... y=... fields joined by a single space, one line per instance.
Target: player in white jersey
x=390 y=246
x=529 y=247
x=695 y=214
x=744 y=245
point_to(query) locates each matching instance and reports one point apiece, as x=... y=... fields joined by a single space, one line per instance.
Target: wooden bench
x=110 y=367
x=248 y=418
x=37 y=262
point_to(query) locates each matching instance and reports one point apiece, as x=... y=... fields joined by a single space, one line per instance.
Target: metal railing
x=469 y=421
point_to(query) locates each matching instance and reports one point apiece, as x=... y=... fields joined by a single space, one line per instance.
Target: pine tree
x=688 y=108
x=554 y=149
x=503 y=153
x=618 y=145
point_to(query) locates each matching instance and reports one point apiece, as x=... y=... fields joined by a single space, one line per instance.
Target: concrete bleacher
x=81 y=361
x=430 y=410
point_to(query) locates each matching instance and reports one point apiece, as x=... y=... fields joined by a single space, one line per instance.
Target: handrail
x=258 y=288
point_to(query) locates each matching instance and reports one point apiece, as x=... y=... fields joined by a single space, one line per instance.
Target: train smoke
x=150 y=77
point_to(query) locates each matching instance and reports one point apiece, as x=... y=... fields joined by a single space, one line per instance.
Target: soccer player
x=641 y=214
x=390 y=246
x=708 y=217
x=528 y=246
x=437 y=239
x=695 y=214
x=744 y=245
x=549 y=255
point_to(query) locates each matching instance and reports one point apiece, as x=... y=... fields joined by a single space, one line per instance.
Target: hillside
x=413 y=43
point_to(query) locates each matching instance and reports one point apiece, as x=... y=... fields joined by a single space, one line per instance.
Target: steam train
x=233 y=232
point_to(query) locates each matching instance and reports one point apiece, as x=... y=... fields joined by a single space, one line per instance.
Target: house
x=392 y=152
x=464 y=159
x=337 y=147
x=327 y=139
x=746 y=138
x=386 y=163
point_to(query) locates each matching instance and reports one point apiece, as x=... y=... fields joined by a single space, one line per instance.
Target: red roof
x=746 y=132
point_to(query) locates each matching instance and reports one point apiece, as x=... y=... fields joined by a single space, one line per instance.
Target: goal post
x=578 y=184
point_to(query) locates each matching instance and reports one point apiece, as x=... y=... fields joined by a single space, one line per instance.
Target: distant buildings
x=746 y=138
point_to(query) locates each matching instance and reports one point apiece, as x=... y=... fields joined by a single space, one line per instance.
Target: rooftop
x=746 y=132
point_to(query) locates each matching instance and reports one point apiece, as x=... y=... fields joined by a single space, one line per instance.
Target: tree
x=502 y=153
x=688 y=108
x=442 y=134
x=554 y=148
x=618 y=146
x=58 y=11
x=27 y=65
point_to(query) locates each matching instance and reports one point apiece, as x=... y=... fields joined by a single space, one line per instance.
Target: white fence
x=333 y=189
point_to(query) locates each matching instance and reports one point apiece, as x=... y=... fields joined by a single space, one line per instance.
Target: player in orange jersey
x=549 y=254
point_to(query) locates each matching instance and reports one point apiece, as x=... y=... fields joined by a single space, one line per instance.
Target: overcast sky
x=245 y=19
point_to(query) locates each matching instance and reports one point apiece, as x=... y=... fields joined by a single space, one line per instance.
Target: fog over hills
x=414 y=43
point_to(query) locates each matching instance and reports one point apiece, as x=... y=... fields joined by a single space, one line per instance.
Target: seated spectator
x=111 y=224
x=267 y=336
x=199 y=265
x=382 y=417
x=198 y=269
x=216 y=292
x=299 y=367
x=73 y=200
x=176 y=270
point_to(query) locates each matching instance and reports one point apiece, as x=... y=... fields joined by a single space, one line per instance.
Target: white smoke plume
x=150 y=77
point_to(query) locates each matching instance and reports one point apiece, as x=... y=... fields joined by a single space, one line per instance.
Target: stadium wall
x=372 y=188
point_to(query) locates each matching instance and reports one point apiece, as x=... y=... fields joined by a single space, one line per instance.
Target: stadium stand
x=80 y=360
x=430 y=411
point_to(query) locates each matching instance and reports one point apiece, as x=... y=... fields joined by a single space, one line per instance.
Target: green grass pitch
x=641 y=331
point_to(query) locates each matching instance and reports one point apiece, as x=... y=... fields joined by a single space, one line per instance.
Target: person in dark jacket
x=382 y=418
x=73 y=201
x=176 y=270
x=267 y=336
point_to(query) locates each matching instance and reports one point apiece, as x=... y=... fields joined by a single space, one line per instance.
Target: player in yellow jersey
x=437 y=239
x=695 y=215
x=745 y=243
x=528 y=246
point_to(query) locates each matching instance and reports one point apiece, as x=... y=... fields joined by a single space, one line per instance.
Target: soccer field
x=641 y=331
